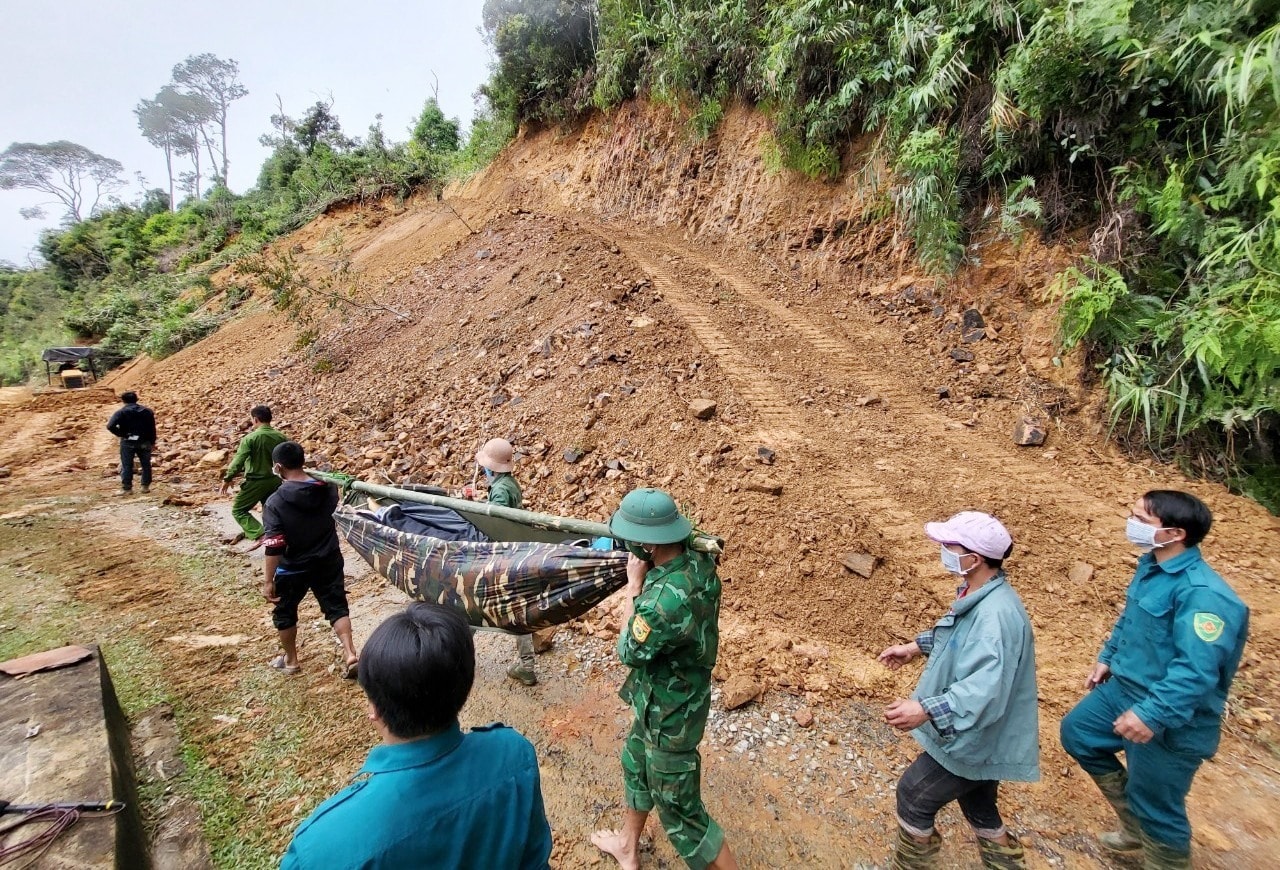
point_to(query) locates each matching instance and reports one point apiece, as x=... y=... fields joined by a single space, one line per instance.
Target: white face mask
x=951 y=561
x=1141 y=534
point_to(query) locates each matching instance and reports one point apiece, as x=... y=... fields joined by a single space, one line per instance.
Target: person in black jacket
x=302 y=554
x=135 y=426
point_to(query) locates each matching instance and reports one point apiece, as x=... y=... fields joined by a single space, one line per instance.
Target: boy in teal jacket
x=974 y=710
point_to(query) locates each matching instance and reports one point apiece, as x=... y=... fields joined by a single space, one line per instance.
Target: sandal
x=352 y=670
x=279 y=664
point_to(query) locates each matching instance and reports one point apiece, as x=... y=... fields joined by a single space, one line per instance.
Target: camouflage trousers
x=671 y=782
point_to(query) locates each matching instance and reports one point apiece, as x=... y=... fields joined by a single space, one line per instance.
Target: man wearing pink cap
x=974 y=710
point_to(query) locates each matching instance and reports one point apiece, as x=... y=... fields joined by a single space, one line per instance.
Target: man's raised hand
x=896 y=656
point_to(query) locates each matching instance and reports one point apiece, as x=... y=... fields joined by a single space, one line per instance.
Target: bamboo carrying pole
x=701 y=541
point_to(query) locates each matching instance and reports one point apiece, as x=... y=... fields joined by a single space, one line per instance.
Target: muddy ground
x=819 y=796
x=592 y=306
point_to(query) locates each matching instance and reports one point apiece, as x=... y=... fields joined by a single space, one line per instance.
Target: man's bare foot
x=623 y=851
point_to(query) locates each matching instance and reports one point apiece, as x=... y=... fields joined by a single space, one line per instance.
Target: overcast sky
x=75 y=69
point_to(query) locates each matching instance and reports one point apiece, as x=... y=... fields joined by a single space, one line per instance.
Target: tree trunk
x=208 y=144
x=168 y=165
x=222 y=122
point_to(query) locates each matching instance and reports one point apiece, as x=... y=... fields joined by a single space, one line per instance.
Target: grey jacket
x=982 y=663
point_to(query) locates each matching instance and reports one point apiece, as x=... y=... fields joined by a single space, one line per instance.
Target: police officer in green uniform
x=253 y=456
x=669 y=638
x=497 y=458
x=1160 y=684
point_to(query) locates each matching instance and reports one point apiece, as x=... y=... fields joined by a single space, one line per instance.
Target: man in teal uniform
x=669 y=639
x=253 y=456
x=1161 y=682
x=974 y=710
x=497 y=458
x=429 y=795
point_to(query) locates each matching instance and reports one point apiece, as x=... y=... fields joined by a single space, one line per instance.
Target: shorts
x=671 y=782
x=324 y=581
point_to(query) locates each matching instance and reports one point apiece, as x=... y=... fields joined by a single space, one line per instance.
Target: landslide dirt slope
x=624 y=270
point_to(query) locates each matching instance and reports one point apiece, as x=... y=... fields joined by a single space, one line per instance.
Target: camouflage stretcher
x=525 y=577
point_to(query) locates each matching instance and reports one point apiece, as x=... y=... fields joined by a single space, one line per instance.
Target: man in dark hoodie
x=302 y=554
x=135 y=426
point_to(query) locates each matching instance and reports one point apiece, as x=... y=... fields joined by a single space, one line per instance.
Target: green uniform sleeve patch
x=640 y=629
x=1209 y=626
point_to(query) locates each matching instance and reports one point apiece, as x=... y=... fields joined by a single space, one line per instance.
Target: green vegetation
x=1153 y=127
x=238 y=786
x=1153 y=130
x=31 y=306
x=134 y=278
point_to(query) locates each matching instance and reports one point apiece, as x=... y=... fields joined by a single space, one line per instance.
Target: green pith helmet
x=649 y=516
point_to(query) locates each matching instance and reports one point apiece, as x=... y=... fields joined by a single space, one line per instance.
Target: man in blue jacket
x=429 y=795
x=974 y=710
x=1161 y=682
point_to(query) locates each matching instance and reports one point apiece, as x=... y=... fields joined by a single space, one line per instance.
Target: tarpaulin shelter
x=522 y=571
x=68 y=357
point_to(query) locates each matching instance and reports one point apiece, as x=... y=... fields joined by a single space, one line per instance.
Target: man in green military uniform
x=669 y=639
x=253 y=456
x=497 y=458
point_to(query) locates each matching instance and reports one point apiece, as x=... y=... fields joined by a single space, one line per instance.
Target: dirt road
x=575 y=336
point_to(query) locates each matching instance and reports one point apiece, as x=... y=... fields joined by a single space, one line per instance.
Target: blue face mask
x=951 y=561
x=488 y=474
x=1141 y=534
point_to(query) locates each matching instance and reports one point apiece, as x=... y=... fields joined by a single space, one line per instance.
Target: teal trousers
x=1160 y=771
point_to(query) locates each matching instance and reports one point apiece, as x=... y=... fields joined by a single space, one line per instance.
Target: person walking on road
x=253 y=456
x=974 y=710
x=135 y=426
x=302 y=554
x=497 y=460
x=669 y=640
x=1160 y=685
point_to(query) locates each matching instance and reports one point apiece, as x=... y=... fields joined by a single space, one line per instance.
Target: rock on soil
x=1080 y=572
x=862 y=564
x=739 y=691
x=703 y=409
x=1028 y=432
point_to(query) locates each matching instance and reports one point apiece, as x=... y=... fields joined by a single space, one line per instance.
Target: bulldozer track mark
x=778 y=423
x=782 y=423
x=839 y=356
